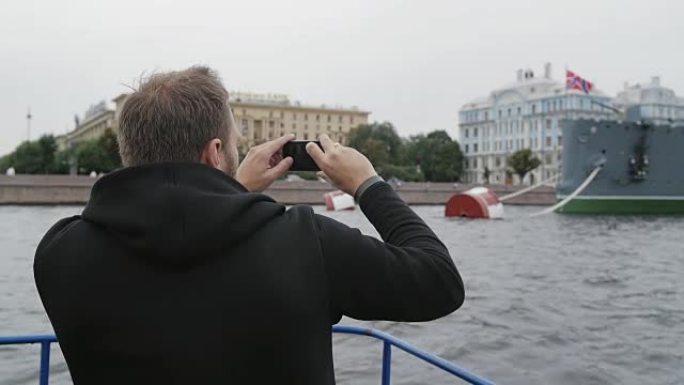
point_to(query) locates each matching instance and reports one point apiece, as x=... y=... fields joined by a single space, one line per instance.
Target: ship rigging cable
x=523 y=191
x=572 y=196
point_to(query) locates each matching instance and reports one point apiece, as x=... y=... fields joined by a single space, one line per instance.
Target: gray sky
x=413 y=63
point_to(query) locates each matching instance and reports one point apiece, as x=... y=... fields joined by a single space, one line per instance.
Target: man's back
x=179 y=271
x=175 y=274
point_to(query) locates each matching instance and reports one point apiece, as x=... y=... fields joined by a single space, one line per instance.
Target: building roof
x=648 y=93
x=526 y=87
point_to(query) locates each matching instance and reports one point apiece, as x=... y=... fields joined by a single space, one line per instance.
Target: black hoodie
x=175 y=274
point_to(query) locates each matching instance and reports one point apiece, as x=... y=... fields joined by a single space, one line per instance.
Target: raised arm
x=408 y=277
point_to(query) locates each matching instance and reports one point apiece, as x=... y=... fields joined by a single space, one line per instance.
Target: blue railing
x=387 y=342
x=44 y=342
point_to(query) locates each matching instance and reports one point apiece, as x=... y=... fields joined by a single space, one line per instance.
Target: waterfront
x=554 y=299
x=68 y=189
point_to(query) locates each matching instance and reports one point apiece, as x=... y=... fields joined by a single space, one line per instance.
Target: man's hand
x=344 y=167
x=264 y=164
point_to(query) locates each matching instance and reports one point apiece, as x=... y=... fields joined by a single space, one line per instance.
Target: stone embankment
x=65 y=189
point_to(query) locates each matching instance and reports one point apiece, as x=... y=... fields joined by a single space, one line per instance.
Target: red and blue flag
x=576 y=82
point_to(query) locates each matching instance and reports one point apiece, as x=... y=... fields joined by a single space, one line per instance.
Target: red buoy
x=478 y=202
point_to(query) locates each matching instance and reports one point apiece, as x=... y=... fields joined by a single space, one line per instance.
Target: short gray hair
x=172 y=116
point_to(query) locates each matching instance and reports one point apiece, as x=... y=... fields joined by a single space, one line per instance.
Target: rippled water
x=554 y=299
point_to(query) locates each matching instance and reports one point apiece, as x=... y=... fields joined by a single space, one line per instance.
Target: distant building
x=262 y=117
x=523 y=114
x=651 y=101
x=259 y=118
x=96 y=120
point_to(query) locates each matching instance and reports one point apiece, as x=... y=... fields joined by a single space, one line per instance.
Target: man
x=179 y=271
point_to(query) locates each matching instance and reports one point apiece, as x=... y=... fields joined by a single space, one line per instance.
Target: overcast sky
x=413 y=63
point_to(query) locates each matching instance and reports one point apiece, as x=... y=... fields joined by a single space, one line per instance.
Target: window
x=509 y=112
x=306 y=136
x=519 y=110
x=474 y=162
x=534 y=108
x=351 y=120
x=339 y=119
x=306 y=116
x=475 y=132
x=475 y=147
x=282 y=125
x=270 y=114
x=466 y=132
x=318 y=118
x=560 y=139
x=294 y=116
x=282 y=115
x=548 y=159
x=497 y=161
x=328 y=118
x=340 y=128
x=548 y=141
x=499 y=114
x=466 y=148
x=548 y=124
x=271 y=124
x=294 y=126
x=486 y=115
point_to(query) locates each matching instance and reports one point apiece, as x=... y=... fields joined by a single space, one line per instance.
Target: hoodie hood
x=177 y=213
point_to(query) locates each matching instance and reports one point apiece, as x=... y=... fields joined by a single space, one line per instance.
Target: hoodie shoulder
x=300 y=213
x=56 y=232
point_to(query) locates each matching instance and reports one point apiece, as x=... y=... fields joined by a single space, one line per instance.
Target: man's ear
x=211 y=154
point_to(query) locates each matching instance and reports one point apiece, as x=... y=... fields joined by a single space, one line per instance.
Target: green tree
x=33 y=157
x=110 y=145
x=378 y=141
x=100 y=155
x=6 y=162
x=405 y=173
x=522 y=161
x=63 y=160
x=439 y=157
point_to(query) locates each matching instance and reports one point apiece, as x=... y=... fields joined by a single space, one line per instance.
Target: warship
x=630 y=166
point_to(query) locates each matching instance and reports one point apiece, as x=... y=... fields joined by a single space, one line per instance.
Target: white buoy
x=10 y=171
x=338 y=200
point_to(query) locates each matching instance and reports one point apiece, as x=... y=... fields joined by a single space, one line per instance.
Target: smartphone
x=297 y=150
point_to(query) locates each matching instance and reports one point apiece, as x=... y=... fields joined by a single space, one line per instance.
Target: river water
x=554 y=299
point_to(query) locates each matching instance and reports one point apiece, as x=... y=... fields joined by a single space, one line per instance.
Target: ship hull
x=624 y=206
x=641 y=168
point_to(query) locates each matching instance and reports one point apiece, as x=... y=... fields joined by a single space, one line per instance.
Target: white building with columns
x=652 y=101
x=523 y=114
